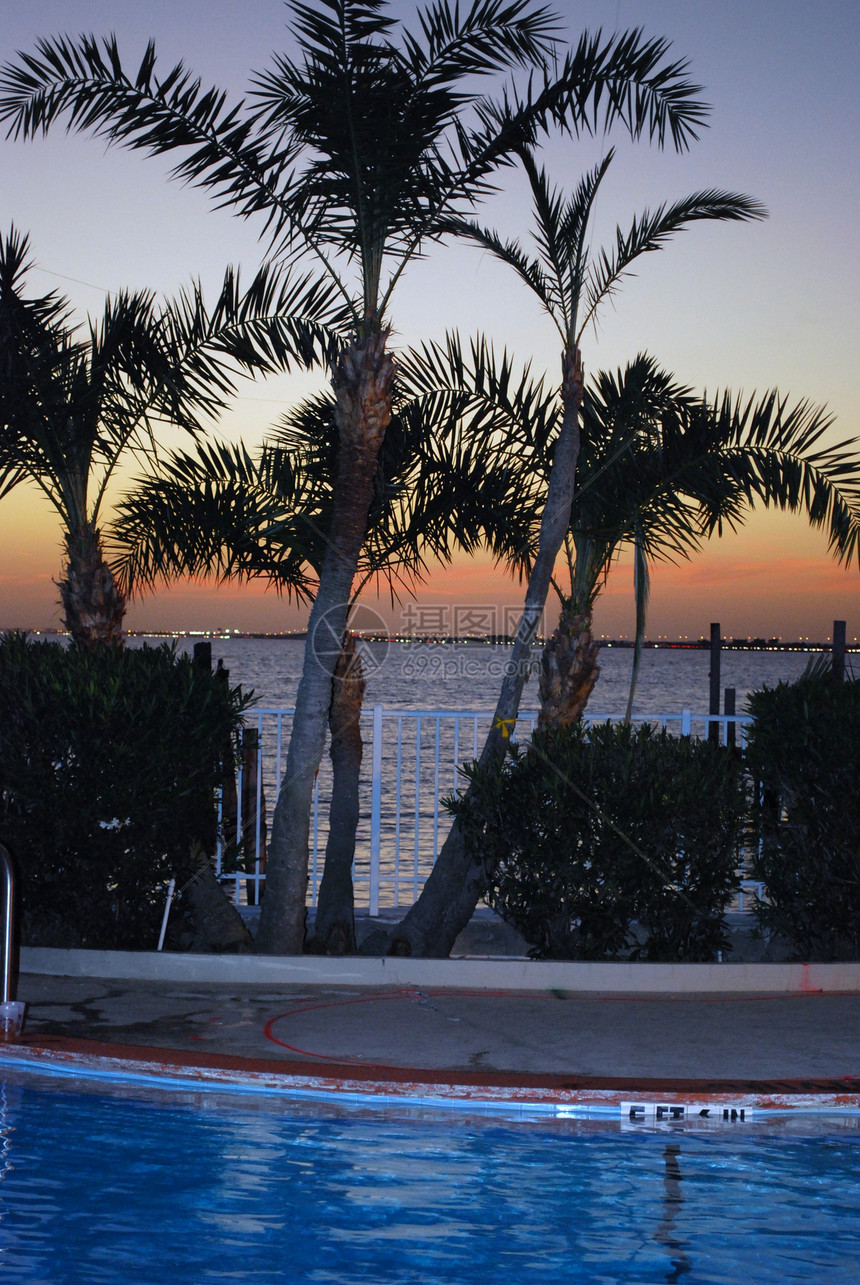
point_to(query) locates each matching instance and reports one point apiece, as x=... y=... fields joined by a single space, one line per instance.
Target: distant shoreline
x=481 y=640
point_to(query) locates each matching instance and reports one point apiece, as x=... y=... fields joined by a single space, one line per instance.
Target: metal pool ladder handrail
x=9 y=882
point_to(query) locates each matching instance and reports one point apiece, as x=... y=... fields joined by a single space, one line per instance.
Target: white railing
x=411 y=762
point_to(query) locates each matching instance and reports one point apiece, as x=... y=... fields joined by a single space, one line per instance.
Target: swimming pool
x=107 y=1186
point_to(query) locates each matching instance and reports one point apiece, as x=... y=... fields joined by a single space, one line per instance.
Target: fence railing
x=411 y=762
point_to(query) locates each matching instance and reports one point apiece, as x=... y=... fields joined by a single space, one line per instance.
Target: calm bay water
x=467 y=676
x=420 y=759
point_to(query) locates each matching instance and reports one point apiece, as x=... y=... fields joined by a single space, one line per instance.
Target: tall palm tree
x=357 y=152
x=661 y=470
x=450 y=478
x=570 y=285
x=75 y=403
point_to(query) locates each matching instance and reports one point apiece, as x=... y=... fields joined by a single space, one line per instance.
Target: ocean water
x=420 y=758
x=467 y=676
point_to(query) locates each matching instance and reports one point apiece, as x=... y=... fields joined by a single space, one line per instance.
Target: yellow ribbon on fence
x=505 y=726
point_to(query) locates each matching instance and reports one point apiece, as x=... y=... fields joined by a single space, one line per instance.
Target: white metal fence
x=411 y=763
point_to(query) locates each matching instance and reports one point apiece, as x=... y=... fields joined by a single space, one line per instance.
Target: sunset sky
x=744 y=307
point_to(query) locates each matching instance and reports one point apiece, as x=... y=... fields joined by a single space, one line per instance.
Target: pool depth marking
x=684 y=1112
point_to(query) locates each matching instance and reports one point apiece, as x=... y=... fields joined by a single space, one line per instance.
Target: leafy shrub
x=109 y=762
x=588 y=832
x=804 y=751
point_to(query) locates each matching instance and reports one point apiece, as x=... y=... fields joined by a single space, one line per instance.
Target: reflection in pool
x=119 y=1187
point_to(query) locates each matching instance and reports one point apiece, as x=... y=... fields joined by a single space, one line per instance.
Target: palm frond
x=491 y=393
x=86 y=82
x=636 y=85
x=359 y=147
x=208 y=515
x=773 y=453
x=490 y=36
x=328 y=28
x=511 y=253
x=624 y=79
x=283 y=321
x=651 y=230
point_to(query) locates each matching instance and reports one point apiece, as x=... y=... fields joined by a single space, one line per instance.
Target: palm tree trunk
x=93 y=606
x=334 y=925
x=569 y=669
x=457 y=882
x=218 y=926
x=362 y=384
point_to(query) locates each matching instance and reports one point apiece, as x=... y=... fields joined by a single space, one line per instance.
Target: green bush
x=109 y=763
x=803 y=750
x=610 y=840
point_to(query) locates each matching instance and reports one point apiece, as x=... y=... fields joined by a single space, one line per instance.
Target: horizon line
x=703 y=642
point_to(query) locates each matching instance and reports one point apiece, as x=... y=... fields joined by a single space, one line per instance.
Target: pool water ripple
x=103 y=1189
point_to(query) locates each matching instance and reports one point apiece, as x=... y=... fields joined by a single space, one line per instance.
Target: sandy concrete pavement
x=522 y=1036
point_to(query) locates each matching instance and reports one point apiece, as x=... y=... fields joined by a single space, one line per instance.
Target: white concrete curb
x=456 y=974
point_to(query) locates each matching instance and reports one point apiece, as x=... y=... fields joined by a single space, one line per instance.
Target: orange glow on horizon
x=775 y=577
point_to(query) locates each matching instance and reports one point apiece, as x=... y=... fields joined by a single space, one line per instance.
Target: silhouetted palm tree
x=661 y=470
x=75 y=402
x=572 y=281
x=451 y=478
x=358 y=152
x=570 y=284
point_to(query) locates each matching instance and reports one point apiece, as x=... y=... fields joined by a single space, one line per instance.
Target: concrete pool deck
x=432 y=1026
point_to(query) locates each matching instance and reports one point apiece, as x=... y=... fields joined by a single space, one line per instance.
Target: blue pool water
x=107 y=1187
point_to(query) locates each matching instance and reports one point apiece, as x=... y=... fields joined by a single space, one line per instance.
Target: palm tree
x=74 y=405
x=570 y=286
x=661 y=470
x=450 y=477
x=359 y=153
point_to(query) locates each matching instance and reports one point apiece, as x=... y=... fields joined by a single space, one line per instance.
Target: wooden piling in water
x=714 y=703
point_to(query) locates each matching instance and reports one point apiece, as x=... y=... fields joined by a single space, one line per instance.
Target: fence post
x=729 y=708
x=253 y=812
x=375 y=807
x=838 y=651
x=686 y=722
